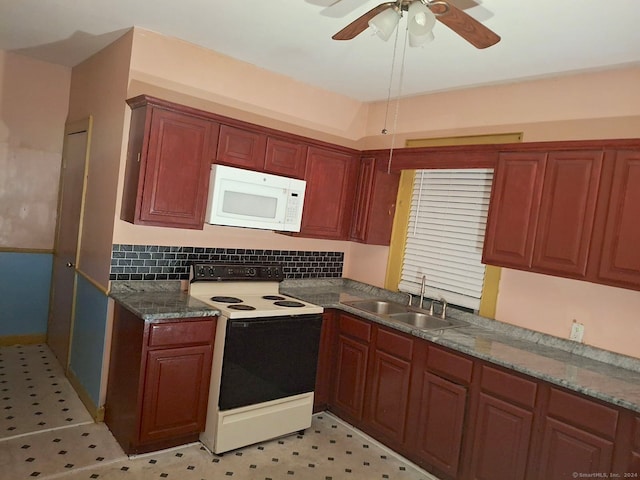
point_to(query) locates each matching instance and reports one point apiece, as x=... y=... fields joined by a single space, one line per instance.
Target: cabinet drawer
x=353 y=327
x=449 y=365
x=583 y=413
x=395 y=344
x=181 y=333
x=508 y=386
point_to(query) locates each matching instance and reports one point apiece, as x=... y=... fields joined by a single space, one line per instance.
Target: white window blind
x=446 y=233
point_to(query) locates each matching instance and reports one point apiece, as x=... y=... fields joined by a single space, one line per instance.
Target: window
x=445 y=235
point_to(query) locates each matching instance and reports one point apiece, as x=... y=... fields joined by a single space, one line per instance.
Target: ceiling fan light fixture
x=420 y=23
x=385 y=22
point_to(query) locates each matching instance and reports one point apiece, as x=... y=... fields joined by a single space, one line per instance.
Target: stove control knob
x=251 y=272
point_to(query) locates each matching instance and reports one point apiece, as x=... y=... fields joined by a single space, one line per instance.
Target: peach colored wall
x=593 y=105
x=245 y=91
x=34 y=96
x=569 y=107
x=550 y=304
x=216 y=83
x=99 y=88
x=573 y=107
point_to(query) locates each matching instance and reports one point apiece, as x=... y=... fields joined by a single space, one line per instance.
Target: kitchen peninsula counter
x=594 y=372
x=158 y=300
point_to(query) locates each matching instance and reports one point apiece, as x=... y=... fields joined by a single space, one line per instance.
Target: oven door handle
x=274 y=321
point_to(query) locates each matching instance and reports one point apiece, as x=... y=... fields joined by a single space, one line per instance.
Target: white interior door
x=75 y=160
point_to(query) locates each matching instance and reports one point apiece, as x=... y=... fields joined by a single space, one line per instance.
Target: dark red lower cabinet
x=501 y=441
x=567 y=450
x=440 y=423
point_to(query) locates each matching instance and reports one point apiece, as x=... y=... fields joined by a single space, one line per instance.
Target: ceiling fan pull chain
x=395 y=117
x=393 y=63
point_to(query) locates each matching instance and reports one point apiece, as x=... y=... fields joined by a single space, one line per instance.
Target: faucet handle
x=444 y=307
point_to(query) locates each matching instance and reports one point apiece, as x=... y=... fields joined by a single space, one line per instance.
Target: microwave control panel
x=293 y=207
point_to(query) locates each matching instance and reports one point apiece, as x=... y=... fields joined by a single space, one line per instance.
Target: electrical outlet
x=577 y=332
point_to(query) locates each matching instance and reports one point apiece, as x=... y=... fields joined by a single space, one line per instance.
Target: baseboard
x=96 y=412
x=8 y=340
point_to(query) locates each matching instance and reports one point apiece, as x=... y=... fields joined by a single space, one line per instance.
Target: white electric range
x=265 y=355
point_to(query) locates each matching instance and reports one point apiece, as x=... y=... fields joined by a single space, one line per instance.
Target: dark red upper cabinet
x=329 y=197
x=620 y=255
x=285 y=158
x=168 y=163
x=241 y=148
x=567 y=210
x=376 y=196
x=513 y=212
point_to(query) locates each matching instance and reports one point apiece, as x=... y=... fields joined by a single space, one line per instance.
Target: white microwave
x=245 y=198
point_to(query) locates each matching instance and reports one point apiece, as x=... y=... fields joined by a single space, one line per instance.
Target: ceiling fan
x=444 y=11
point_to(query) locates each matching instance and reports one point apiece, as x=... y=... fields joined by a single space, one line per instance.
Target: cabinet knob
x=70 y=265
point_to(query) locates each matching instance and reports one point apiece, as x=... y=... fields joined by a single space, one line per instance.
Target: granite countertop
x=598 y=373
x=159 y=300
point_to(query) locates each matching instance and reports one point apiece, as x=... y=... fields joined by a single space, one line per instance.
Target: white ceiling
x=540 y=38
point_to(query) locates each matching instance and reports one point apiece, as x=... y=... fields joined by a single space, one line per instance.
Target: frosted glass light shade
x=384 y=23
x=421 y=21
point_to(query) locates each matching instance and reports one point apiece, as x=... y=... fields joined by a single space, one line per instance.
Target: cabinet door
x=350 y=376
x=513 y=212
x=285 y=158
x=620 y=256
x=241 y=148
x=175 y=171
x=567 y=449
x=322 y=392
x=388 y=391
x=375 y=204
x=329 y=197
x=501 y=440
x=634 y=457
x=440 y=422
x=175 y=392
x=567 y=210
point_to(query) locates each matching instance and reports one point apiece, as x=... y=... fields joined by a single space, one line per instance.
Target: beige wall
x=34 y=98
x=99 y=88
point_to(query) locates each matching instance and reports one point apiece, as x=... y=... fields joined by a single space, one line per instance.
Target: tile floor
x=46 y=433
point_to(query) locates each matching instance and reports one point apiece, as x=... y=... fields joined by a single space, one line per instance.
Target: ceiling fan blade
x=361 y=23
x=466 y=26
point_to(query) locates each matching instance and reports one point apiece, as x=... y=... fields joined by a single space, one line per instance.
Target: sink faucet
x=424 y=279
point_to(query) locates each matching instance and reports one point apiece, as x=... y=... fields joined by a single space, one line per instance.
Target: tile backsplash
x=157 y=262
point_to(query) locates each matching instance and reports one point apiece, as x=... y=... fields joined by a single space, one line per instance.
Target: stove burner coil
x=223 y=299
x=241 y=306
x=288 y=303
x=273 y=297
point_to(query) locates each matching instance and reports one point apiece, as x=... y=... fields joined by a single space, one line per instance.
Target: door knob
x=70 y=265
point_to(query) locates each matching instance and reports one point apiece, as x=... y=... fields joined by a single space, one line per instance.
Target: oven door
x=268 y=358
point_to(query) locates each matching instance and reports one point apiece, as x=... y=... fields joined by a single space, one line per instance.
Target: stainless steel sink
x=379 y=307
x=405 y=314
x=425 y=321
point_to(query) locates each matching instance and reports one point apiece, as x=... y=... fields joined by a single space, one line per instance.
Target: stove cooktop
x=245 y=291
